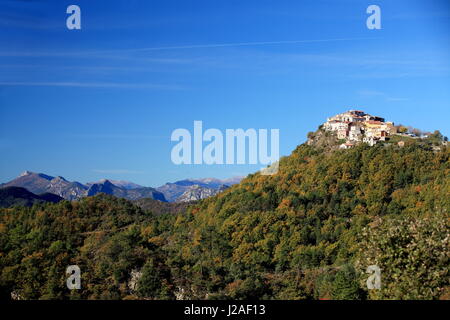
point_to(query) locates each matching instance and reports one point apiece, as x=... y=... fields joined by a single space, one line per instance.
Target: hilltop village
x=357 y=126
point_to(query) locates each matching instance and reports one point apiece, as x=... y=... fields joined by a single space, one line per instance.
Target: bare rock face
x=180 y=294
x=179 y=190
x=66 y=189
x=197 y=192
x=323 y=139
x=16 y=296
x=134 y=279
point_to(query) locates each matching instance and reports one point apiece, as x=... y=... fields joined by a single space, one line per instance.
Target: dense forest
x=308 y=232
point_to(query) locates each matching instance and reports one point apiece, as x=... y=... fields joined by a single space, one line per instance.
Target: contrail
x=195 y=46
x=241 y=44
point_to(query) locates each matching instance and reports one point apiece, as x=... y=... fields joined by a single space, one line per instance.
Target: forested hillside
x=15 y=196
x=308 y=232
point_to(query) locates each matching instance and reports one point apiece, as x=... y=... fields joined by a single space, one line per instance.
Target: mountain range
x=195 y=189
x=119 y=183
x=41 y=183
x=180 y=191
x=121 y=192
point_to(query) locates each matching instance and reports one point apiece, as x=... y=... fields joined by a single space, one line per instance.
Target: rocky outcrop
x=175 y=192
x=197 y=192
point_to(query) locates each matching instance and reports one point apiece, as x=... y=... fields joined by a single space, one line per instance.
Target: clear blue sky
x=102 y=102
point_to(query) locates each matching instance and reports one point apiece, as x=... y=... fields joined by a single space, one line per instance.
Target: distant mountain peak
x=119 y=183
x=25 y=173
x=39 y=183
x=28 y=173
x=108 y=187
x=102 y=183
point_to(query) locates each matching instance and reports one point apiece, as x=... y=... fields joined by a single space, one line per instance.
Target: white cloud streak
x=241 y=44
x=191 y=46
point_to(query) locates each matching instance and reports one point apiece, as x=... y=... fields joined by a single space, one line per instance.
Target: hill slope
x=303 y=232
x=11 y=196
x=160 y=207
x=308 y=232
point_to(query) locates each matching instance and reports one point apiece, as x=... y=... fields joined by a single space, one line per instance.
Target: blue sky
x=103 y=101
